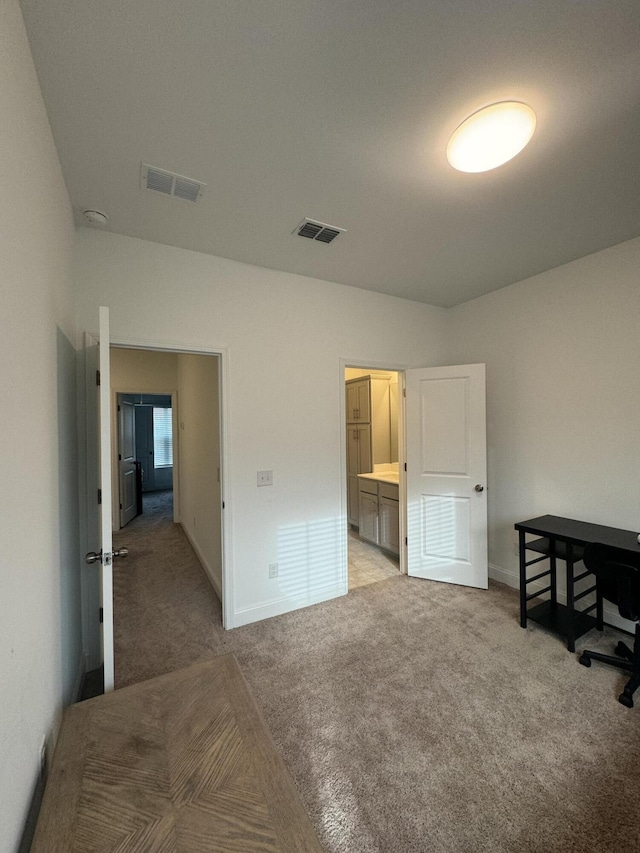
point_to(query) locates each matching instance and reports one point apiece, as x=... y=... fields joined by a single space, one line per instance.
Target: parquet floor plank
x=179 y=764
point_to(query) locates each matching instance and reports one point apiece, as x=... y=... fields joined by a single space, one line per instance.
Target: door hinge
x=404 y=392
x=101 y=615
x=118 y=408
x=406 y=540
x=405 y=466
x=97 y=377
x=120 y=506
x=99 y=496
x=222 y=504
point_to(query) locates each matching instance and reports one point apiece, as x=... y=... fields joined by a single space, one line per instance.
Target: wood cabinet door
x=368 y=506
x=365 y=462
x=358 y=401
x=389 y=524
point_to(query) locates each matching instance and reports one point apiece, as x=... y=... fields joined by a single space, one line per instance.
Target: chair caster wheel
x=620 y=650
x=626 y=700
x=584 y=660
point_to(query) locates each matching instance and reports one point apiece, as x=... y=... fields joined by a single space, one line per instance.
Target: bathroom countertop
x=382 y=476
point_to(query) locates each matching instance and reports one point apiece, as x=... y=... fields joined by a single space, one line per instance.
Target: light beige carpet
x=412 y=716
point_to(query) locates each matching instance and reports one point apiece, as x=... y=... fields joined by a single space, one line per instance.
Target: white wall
x=40 y=628
x=136 y=371
x=563 y=359
x=286 y=335
x=199 y=452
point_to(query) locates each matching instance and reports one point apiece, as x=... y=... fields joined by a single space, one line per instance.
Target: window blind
x=162 y=438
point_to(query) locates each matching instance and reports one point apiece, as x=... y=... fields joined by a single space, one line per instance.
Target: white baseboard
x=215 y=583
x=276 y=607
x=511 y=578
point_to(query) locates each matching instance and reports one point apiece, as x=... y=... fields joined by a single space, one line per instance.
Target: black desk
x=564 y=539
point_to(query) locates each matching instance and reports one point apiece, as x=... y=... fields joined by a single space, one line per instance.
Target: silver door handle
x=96 y=557
x=479 y=488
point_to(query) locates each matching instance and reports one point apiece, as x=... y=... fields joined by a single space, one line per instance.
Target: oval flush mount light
x=491 y=136
x=96 y=217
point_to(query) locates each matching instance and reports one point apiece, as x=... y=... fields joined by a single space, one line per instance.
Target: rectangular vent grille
x=319 y=231
x=168 y=183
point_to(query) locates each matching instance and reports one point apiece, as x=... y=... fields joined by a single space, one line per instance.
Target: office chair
x=618 y=580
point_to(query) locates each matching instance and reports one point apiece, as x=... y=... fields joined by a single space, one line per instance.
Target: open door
x=446 y=474
x=103 y=558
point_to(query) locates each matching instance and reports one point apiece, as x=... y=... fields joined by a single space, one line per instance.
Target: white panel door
x=106 y=521
x=99 y=519
x=446 y=474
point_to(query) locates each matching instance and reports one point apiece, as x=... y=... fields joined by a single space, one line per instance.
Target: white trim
x=276 y=607
x=225 y=468
x=203 y=562
x=512 y=579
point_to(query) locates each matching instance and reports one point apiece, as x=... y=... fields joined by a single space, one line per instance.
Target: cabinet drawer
x=368 y=486
x=388 y=490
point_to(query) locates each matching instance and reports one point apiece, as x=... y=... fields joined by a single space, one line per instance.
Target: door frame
x=222 y=352
x=372 y=364
x=115 y=468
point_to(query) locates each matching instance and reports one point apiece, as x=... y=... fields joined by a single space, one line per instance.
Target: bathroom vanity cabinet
x=379 y=512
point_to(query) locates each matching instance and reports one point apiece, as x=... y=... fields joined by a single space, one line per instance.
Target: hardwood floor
x=179 y=763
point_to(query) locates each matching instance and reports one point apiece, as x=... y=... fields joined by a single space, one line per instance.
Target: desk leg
x=523 y=578
x=571 y=628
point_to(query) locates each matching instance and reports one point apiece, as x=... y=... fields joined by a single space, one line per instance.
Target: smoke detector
x=168 y=183
x=319 y=231
x=96 y=217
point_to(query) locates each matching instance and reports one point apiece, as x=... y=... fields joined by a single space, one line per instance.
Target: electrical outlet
x=265 y=478
x=516 y=549
x=273 y=570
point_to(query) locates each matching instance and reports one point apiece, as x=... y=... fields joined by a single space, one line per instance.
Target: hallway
x=166 y=614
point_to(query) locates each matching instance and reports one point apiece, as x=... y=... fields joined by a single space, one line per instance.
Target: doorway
x=166 y=424
x=144 y=452
x=374 y=506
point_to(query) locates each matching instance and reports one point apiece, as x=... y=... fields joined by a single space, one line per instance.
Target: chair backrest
x=617 y=577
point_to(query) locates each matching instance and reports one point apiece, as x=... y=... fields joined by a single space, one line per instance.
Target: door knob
x=479 y=488
x=96 y=557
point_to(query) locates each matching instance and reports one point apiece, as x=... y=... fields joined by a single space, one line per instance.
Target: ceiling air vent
x=318 y=231
x=168 y=183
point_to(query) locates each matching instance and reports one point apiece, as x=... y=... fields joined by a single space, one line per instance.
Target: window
x=162 y=438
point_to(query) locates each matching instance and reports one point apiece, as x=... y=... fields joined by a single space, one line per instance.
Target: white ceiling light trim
x=491 y=136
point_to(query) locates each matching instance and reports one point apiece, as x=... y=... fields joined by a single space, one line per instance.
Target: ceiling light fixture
x=491 y=136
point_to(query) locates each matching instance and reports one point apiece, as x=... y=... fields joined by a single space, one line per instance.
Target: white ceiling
x=340 y=110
